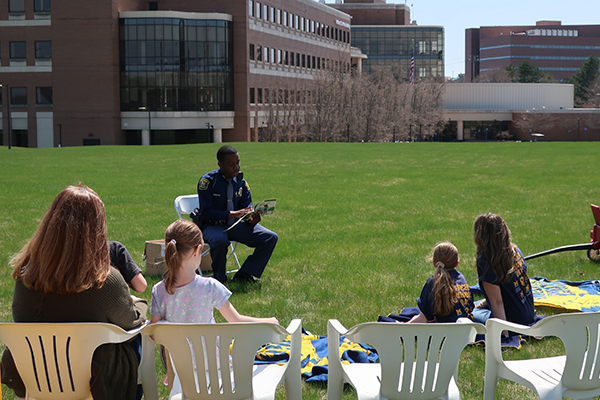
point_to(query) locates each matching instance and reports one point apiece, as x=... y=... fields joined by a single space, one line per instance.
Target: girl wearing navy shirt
x=502 y=274
x=446 y=295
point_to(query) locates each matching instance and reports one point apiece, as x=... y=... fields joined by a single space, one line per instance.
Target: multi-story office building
x=385 y=33
x=555 y=48
x=138 y=72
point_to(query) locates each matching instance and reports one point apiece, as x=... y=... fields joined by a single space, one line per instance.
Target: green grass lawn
x=356 y=221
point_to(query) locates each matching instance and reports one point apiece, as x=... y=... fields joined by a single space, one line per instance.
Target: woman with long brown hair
x=502 y=274
x=63 y=274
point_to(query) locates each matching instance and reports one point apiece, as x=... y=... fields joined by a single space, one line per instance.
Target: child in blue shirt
x=446 y=295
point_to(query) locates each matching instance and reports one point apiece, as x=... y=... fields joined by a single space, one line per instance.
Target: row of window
x=18 y=6
x=18 y=50
x=290 y=58
x=18 y=96
x=423 y=67
x=392 y=41
x=173 y=44
x=266 y=96
x=542 y=46
x=176 y=64
x=552 y=32
x=295 y=21
x=561 y=58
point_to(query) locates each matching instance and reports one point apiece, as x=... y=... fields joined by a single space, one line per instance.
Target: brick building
x=137 y=72
x=555 y=48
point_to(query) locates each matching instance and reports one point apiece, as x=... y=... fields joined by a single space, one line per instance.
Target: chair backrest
x=186 y=204
x=417 y=360
x=580 y=335
x=54 y=359
x=215 y=361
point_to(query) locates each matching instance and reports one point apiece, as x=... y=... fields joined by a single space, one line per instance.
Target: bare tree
x=493 y=76
x=339 y=106
x=568 y=123
x=535 y=121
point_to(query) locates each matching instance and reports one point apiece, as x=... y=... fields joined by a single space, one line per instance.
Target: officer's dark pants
x=260 y=238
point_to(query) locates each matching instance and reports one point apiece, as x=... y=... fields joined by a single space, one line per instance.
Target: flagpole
x=412 y=63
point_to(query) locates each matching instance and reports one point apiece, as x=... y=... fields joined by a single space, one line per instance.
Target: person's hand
x=482 y=304
x=240 y=213
x=272 y=320
x=254 y=219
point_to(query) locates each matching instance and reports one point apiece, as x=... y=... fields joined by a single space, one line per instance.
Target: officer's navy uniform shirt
x=212 y=195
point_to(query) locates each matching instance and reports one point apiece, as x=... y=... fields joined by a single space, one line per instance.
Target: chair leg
x=147 y=369
x=233 y=254
x=489 y=387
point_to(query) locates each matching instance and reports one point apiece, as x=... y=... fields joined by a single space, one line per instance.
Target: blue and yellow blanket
x=581 y=296
x=314 y=362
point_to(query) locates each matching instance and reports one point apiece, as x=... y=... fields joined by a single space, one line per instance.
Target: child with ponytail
x=183 y=296
x=446 y=295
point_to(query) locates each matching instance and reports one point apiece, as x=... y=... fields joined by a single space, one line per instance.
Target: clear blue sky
x=456 y=16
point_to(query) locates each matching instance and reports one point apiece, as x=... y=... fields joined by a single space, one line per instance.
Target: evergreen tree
x=527 y=73
x=585 y=79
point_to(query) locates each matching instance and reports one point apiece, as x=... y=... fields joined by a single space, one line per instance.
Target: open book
x=264 y=207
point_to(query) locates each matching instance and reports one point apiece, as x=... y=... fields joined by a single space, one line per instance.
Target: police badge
x=203 y=184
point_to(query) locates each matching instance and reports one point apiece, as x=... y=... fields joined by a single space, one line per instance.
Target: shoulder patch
x=247 y=186
x=203 y=184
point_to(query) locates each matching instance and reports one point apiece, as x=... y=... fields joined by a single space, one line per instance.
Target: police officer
x=224 y=198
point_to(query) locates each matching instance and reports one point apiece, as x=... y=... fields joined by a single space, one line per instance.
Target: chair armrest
x=294 y=325
x=295 y=331
x=493 y=337
x=496 y=325
x=477 y=328
x=337 y=326
x=137 y=330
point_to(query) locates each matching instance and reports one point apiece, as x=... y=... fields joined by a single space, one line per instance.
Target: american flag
x=412 y=65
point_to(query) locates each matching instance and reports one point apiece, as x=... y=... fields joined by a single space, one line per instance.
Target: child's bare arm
x=229 y=312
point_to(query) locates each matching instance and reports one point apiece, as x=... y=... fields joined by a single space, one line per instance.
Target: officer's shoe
x=244 y=277
x=224 y=281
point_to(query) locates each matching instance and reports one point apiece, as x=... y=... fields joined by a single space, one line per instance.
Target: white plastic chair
x=574 y=375
x=417 y=361
x=185 y=205
x=54 y=359
x=208 y=367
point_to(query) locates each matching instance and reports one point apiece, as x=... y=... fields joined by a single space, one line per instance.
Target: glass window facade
x=175 y=64
x=392 y=46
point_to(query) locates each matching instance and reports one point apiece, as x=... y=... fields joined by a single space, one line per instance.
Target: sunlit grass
x=356 y=222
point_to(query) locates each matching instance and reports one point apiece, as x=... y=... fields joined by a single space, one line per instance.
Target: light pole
x=578 y=119
x=209 y=127
x=147 y=108
x=7 y=97
x=59 y=135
